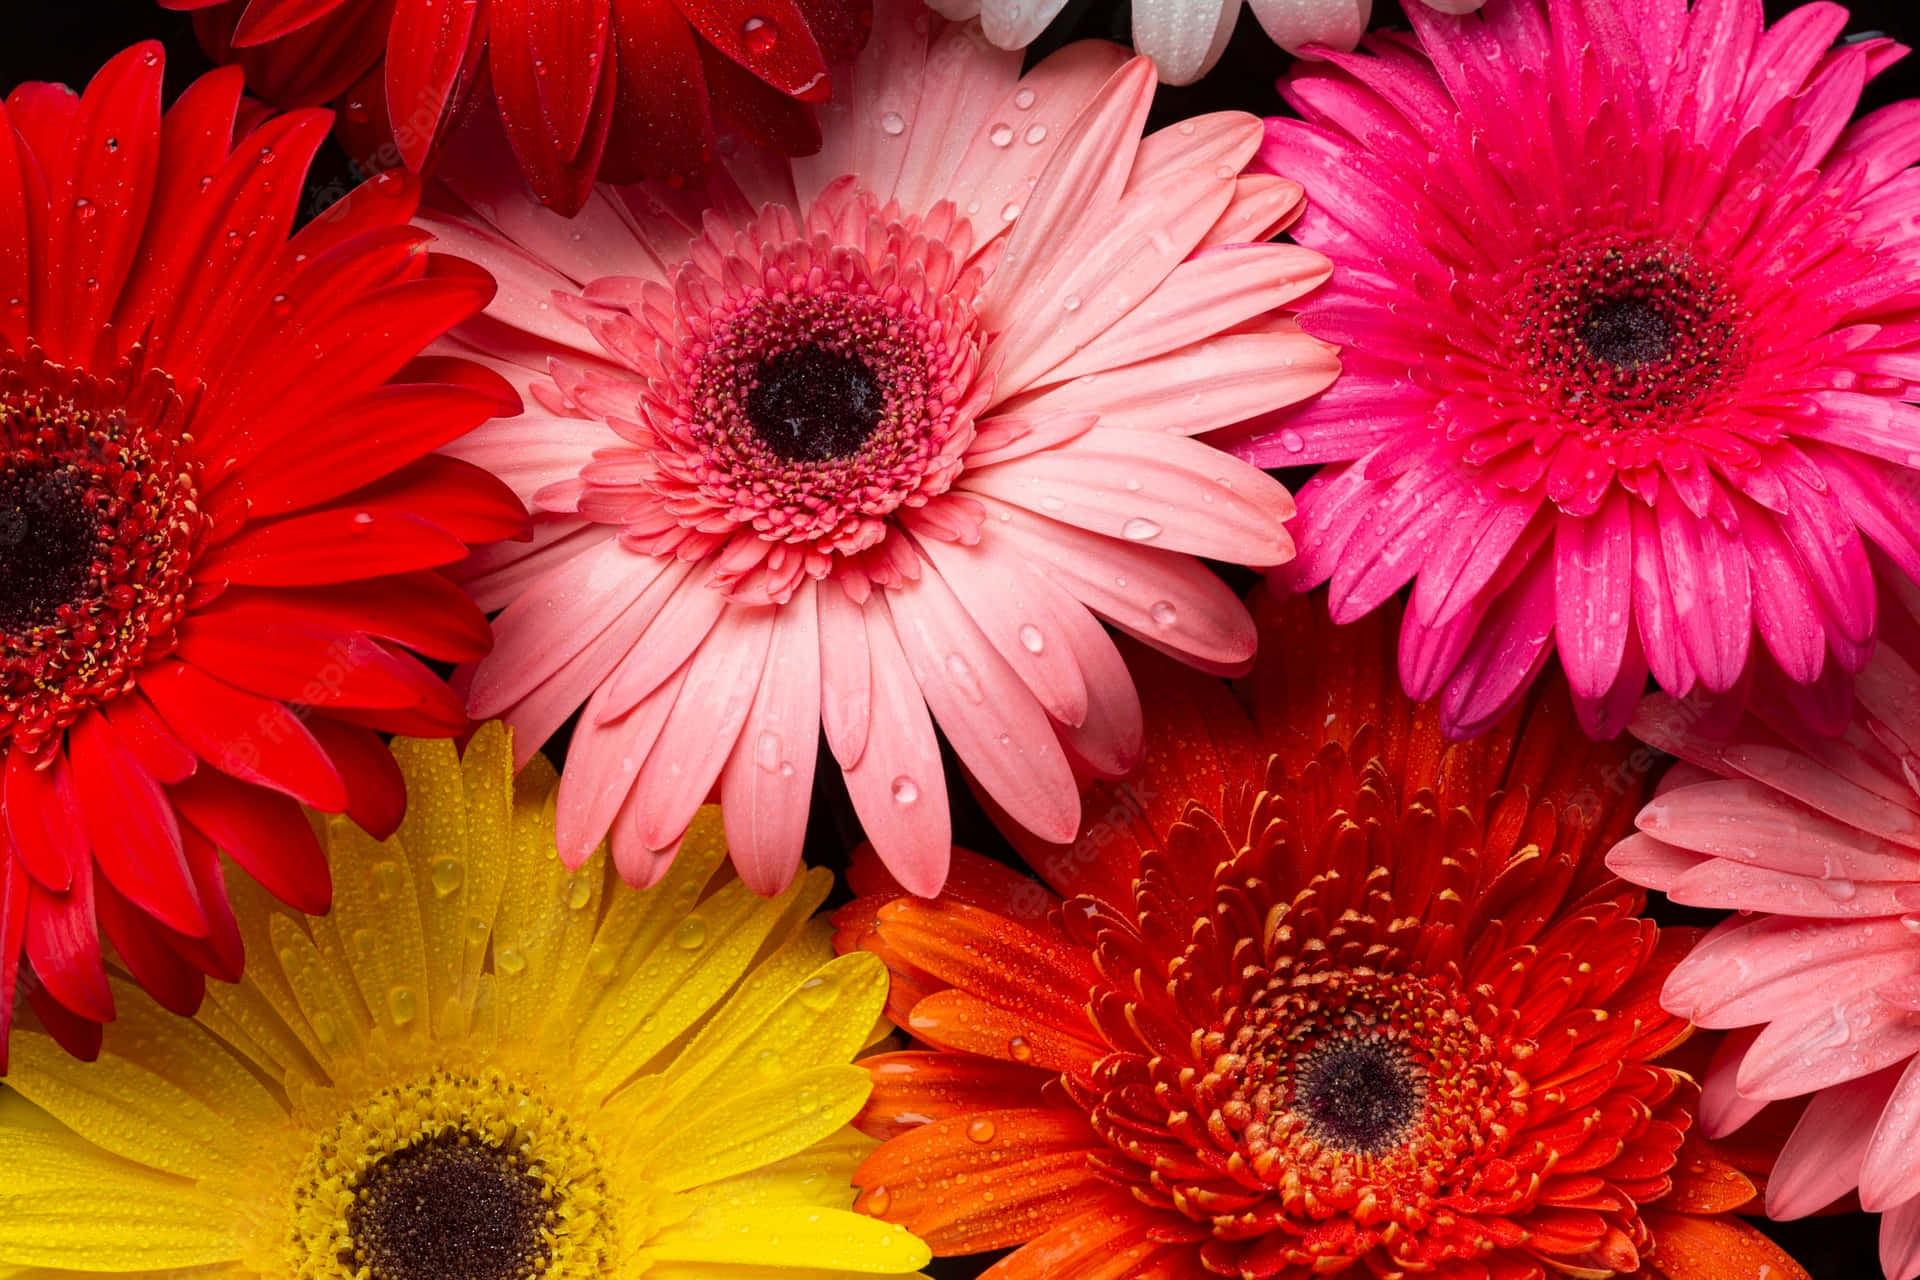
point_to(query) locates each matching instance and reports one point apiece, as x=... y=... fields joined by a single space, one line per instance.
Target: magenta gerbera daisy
x=872 y=440
x=1631 y=330
x=1815 y=842
x=220 y=525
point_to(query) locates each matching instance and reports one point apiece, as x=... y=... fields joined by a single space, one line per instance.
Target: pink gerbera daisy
x=1818 y=846
x=868 y=440
x=1631 y=329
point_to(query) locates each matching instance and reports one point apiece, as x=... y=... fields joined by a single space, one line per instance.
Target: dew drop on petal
x=1019 y=1049
x=402 y=1005
x=981 y=1130
x=766 y=752
x=905 y=790
x=1291 y=441
x=691 y=935
x=579 y=892
x=600 y=960
x=1001 y=135
x=1035 y=134
x=893 y=124
x=447 y=876
x=510 y=960
x=759 y=35
x=1010 y=210
x=1139 y=530
x=1023 y=99
x=1163 y=613
x=879 y=1200
x=820 y=991
x=1030 y=638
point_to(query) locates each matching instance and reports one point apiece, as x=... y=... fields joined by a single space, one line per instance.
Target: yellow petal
x=259 y=1015
x=822 y=1175
x=123 y=1108
x=827 y=1239
x=375 y=910
x=436 y=836
x=487 y=767
x=547 y=915
x=781 y=1118
x=680 y=979
x=820 y=1018
x=329 y=1005
x=68 y=1206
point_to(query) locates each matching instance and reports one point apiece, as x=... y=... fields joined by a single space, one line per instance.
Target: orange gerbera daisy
x=1322 y=993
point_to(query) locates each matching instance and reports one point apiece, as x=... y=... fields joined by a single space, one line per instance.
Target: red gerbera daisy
x=1326 y=995
x=562 y=71
x=219 y=523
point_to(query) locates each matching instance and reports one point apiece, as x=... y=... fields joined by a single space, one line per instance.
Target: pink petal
x=1792 y=1058
x=1512 y=644
x=1111 y=741
x=846 y=675
x=1171 y=602
x=1900 y=1241
x=1179 y=495
x=766 y=789
x=682 y=626
x=1706 y=570
x=1778 y=969
x=1890 y=1175
x=1593 y=594
x=603 y=760
x=996 y=726
x=723 y=677
x=898 y=785
x=1722 y=1107
x=1821 y=1159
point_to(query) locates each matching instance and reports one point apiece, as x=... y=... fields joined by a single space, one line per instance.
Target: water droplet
x=964 y=679
x=1030 y=638
x=385 y=880
x=600 y=960
x=819 y=992
x=879 y=1200
x=361 y=523
x=1001 y=135
x=768 y=1063
x=282 y=304
x=326 y=1029
x=807 y=1101
x=905 y=790
x=691 y=935
x=1010 y=210
x=1139 y=530
x=1840 y=890
x=1291 y=441
x=402 y=1005
x=981 y=1131
x=1071 y=302
x=1023 y=99
x=1035 y=134
x=766 y=752
x=579 y=892
x=1020 y=1050
x=1163 y=612
x=447 y=876
x=759 y=35
x=477 y=930
x=510 y=960
x=893 y=124
x=358 y=112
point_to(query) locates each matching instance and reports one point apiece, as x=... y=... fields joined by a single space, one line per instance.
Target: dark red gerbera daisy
x=220 y=524
x=1322 y=994
x=620 y=90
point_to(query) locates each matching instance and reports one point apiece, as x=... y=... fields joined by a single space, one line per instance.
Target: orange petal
x=912 y=1089
x=1712 y=1248
x=963 y=1021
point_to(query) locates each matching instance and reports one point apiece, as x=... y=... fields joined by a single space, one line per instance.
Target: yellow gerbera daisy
x=481 y=1065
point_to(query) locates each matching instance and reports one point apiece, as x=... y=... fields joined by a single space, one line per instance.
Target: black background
x=67 y=42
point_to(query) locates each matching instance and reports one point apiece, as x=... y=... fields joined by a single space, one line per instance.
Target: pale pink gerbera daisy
x=870 y=440
x=1816 y=841
x=1630 y=324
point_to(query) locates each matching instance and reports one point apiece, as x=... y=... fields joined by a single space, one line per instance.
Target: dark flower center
x=1624 y=334
x=1627 y=332
x=452 y=1207
x=810 y=404
x=48 y=539
x=1361 y=1094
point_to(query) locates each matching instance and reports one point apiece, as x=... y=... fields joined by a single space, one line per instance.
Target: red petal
x=566 y=43
x=160 y=753
x=337 y=544
x=764 y=115
x=13 y=935
x=315 y=665
x=265 y=20
x=97 y=216
x=839 y=28
x=43 y=820
x=262 y=831
x=16 y=270
x=77 y=1035
x=419 y=611
x=666 y=130
x=561 y=177
x=433 y=50
x=376 y=789
x=766 y=37
x=466 y=500
x=174 y=984
x=254 y=739
x=63 y=946
x=136 y=839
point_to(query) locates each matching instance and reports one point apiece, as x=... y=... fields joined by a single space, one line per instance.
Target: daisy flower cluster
x=802 y=639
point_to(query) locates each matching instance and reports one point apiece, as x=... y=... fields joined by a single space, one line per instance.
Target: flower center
x=811 y=404
x=48 y=536
x=1625 y=334
x=99 y=522
x=467 y=1174
x=451 y=1206
x=1362 y=1094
